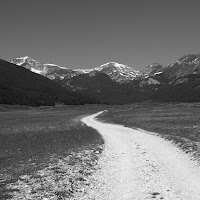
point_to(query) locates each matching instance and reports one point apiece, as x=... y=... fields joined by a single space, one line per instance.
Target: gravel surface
x=141 y=165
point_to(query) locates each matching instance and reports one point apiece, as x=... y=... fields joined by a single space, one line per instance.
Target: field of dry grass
x=46 y=152
x=177 y=122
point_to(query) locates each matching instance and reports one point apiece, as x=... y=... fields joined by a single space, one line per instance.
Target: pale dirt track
x=139 y=165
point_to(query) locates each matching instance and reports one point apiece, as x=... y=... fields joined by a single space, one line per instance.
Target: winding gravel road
x=141 y=165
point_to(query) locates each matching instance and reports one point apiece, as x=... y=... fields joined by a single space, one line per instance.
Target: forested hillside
x=23 y=87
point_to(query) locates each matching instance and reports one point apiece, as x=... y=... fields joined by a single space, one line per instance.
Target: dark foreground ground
x=177 y=122
x=46 y=152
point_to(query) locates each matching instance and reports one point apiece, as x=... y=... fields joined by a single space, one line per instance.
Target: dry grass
x=37 y=141
x=179 y=123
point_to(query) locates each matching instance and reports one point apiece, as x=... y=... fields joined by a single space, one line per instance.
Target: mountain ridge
x=20 y=86
x=117 y=72
x=115 y=83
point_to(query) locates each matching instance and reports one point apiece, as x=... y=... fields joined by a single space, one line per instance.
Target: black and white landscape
x=114 y=83
x=107 y=106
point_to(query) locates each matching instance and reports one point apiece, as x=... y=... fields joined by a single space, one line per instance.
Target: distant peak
x=155 y=65
x=24 y=58
x=116 y=65
x=54 y=65
x=187 y=58
x=113 y=63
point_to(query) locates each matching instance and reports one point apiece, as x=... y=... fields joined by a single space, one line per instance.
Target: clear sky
x=88 y=33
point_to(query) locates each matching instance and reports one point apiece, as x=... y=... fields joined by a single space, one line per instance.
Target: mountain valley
x=114 y=83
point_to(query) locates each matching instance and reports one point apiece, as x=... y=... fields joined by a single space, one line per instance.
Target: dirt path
x=140 y=165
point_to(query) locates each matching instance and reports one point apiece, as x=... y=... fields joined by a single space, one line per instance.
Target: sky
x=82 y=34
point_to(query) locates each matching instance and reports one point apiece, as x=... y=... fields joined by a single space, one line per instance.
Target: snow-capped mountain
x=116 y=71
x=28 y=63
x=51 y=71
x=188 y=64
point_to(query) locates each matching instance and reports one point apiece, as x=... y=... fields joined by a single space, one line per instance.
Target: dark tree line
x=23 y=87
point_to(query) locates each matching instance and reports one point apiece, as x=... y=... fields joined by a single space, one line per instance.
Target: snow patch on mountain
x=114 y=64
x=158 y=73
x=36 y=71
x=83 y=71
x=53 y=65
x=51 y=71
x=118 y=72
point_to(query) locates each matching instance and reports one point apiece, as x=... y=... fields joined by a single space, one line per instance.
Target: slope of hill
x=179 y=81
x=23 y=87
x=101 y=87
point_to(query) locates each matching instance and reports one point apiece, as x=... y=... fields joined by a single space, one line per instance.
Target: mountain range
x=114 y=83
x=116 y=71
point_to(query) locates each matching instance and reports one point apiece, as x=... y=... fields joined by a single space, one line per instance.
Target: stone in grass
x=154 y=194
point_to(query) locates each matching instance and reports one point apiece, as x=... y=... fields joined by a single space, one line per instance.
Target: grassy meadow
x=47 y=152
x=177 y=122
x=38 y=145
